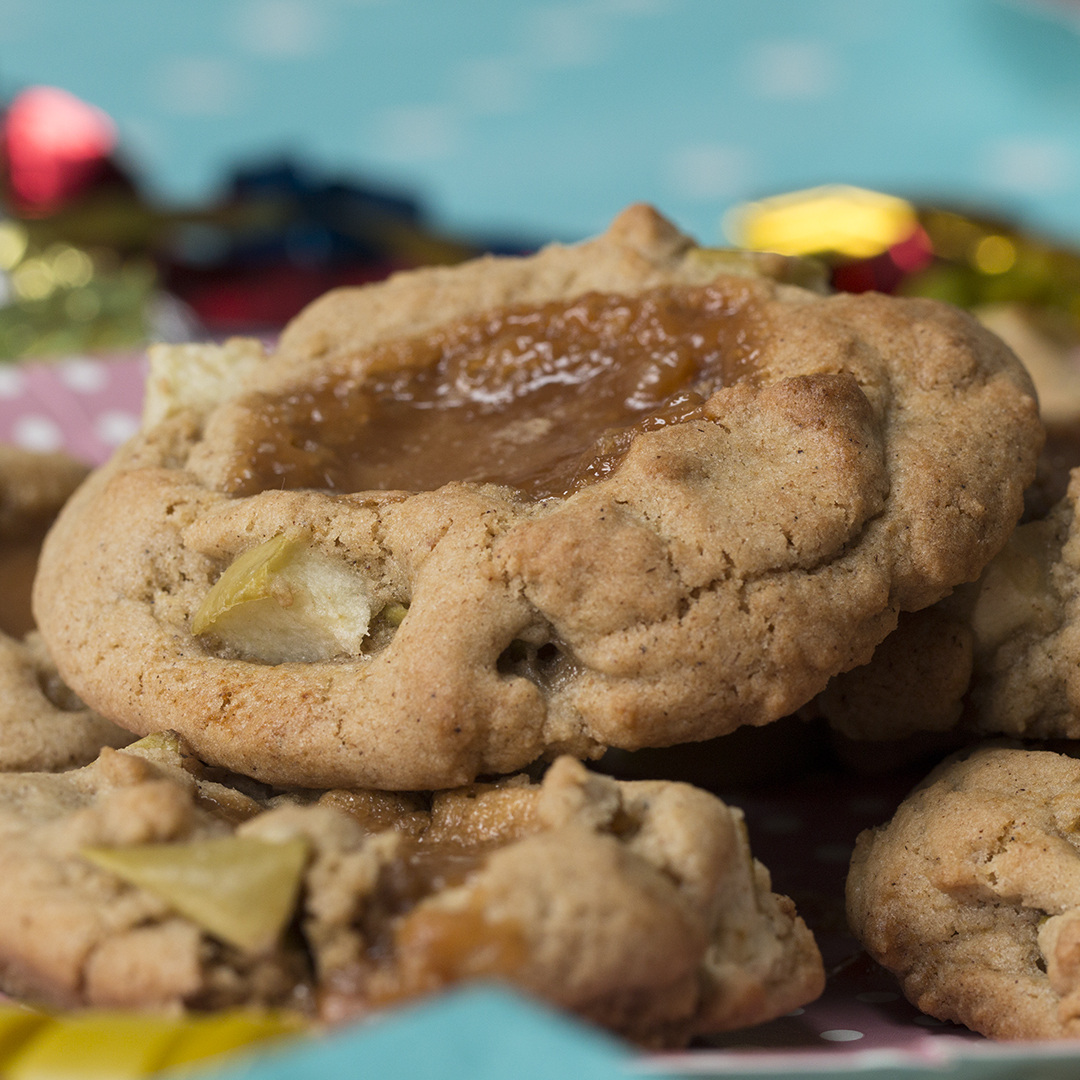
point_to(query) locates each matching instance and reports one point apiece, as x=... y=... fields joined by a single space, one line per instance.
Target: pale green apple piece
x=394 y=613
x=285 y=600
x=240 y=889
x=167 y=742
x=249 y=577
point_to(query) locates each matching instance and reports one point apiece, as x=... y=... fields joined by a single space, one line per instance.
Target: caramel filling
x=542 y=399
x=415 y=949
x=412 y=947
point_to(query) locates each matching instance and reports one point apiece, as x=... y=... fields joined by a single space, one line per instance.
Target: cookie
x=33 y=487
x=998 y=656
x=637 y=905
x=44 y=727
x=915 y=683
x=1024 y=616
x=73 y=933
x=630 y=493
x=141 y=881
x=969 y=895
x=995 y=657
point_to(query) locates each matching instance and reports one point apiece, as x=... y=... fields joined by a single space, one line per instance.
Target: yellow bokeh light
x=70 y=266
x=33 y=280
x=994 y=255
x=13 y=241
x=838 y=218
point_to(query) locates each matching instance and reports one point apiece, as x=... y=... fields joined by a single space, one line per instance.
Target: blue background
x=546 y=118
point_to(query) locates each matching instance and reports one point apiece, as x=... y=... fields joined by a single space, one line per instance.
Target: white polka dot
x=281 y=27
x=83 y=375
x=833 y=853
x=11 y=381
x=635 y=7
x=564 y=36
x=1029 y=166
x=841 y=1035
x=37 y=433
x=785 y=70
x=876 y=997
x=795 y=1012
x=201 y=86
x=492 y=86
x=709 y=171
x=411 y=133
x=113 y=428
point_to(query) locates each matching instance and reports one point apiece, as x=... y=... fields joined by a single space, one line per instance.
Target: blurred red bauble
x=55 y=146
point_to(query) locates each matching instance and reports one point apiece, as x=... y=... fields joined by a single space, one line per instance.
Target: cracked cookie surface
x=969 y=895
x=637 y=905
x=73 y=934
x=747 y=523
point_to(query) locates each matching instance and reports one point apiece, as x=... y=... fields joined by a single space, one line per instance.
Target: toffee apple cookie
x=630 y=493
x=970 y=894
x=139 y=881
x=995 y=657
x=1023 y=616
x=75 y=932
x=635 y=904
x=44 y=727
x=33 y=487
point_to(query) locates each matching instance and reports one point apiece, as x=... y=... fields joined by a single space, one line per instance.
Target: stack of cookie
x=354 y=595
x=971 y=895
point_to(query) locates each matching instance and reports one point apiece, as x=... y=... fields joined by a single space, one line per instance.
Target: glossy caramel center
x=542 y=399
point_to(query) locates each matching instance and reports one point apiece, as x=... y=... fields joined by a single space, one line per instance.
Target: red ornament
x=54 y=145
x=914 y=253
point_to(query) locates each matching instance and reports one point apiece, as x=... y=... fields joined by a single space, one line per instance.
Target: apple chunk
x=240 y=889
x=285 y=600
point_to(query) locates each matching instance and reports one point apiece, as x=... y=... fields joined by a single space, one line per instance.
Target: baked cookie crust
x=637 y=905
x=33 y=487
x=997 y=657
x=969 y=895
x=871 y=455
x=44 y=727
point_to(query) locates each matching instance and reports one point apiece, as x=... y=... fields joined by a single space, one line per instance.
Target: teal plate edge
x=490 y=1033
